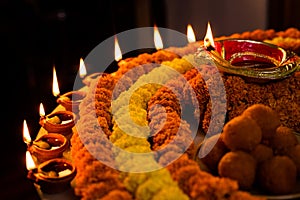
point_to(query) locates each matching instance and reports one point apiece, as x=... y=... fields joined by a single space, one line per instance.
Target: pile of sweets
x=138 y=109
x=257 y=151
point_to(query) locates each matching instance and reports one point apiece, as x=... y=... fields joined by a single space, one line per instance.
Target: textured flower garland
x=94 y=179
x=97 y=180
x=153 y=184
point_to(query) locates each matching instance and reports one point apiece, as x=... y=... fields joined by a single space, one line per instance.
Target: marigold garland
x=95 y=180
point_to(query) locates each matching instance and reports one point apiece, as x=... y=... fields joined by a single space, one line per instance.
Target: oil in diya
x=61 y=122
x=49 y=146
x=46 y=146
x=254 y=60
x=52 y=176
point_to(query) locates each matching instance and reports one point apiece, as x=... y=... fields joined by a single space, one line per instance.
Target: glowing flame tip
x=157 y=39
x=55 y=87
x=42 y=110
x=118 y=53
x=30 y=164
x=190 y=34
x=26 y=134
x=82 y=69
x=209 y=40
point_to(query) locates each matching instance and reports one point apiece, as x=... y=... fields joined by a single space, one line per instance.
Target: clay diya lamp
x=49 y=146
x=53 y=176
x=254 y=60
x=71 y=100
x=60 y=122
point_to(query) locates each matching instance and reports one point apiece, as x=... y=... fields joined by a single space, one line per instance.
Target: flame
x=55 y=88
x=209 y=40
x=42 y=110
x=30 y=164
x=26 y=135
x=190 y=34
x=82 y=69
x=157 y=39
x=118 y=53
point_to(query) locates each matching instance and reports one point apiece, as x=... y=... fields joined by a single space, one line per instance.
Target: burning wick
x=209 y=43
x=209 y=47
x=54 y=119
x=43 y=119
x=31 y=167
x=42 y=113
x=26 y=134
x=52 y=176
x=256 y=61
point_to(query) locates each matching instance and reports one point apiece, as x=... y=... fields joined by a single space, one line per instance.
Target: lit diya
x=86 y=79
x=47 y=146
x=60 y=122
x=258 y=61
x=52 y=176
x=69 y=100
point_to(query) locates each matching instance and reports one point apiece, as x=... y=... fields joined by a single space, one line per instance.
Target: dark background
x=36 y=35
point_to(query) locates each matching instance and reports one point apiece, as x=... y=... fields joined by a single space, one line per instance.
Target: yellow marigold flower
x=133 y=180
x=117 y=133
x=170 y=193
x=128 y=140
x=138 y=149
x=153 y=185
x=142 y=163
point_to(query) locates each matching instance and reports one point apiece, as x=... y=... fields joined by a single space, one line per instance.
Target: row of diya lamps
x=54 y=172
x=47 y=162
